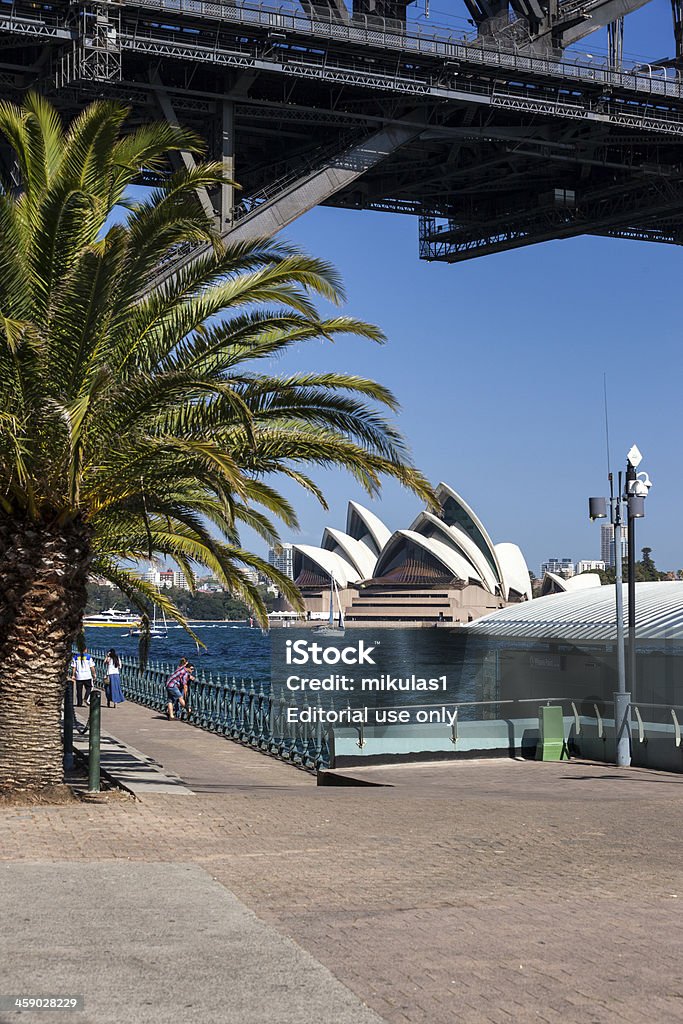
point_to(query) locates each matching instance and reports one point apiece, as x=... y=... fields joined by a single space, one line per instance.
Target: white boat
x=154 y=629
x=112 y=617
x=332 y=628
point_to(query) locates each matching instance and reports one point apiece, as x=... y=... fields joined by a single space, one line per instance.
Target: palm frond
x=139 y=407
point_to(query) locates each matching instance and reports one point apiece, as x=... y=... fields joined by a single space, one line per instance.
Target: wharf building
x=443 y=569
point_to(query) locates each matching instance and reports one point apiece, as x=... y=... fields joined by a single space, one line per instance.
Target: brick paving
x=490 y=891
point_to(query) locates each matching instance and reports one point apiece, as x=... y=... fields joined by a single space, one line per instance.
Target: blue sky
x=498 y=364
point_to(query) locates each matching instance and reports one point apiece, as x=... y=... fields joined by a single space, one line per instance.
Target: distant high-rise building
x=179 y=581
x=281 y=558
x=589 y=565
x=152 y=576
x=560 y=566
x=607 y=544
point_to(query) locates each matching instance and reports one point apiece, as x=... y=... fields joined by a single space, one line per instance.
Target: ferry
x=113 y=617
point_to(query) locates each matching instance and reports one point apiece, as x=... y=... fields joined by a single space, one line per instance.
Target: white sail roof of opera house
x=554 y=583
x=586 y=615
x=429 y=525
x=359 y=554
x=348 y=557
x=454 y=562
x=514 y=570
x=451 y=543
x=331 y=562
x=366 y=527
x=456 y=511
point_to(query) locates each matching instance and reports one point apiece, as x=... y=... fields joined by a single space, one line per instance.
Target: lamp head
x=597 y=508
x=636 y=506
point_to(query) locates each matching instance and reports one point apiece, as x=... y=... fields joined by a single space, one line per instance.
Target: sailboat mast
x=341 y=616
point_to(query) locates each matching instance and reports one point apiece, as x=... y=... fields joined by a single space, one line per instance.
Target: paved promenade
x=490 y=891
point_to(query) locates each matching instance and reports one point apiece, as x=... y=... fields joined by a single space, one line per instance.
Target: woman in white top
x=83 y=674
x=112 y=687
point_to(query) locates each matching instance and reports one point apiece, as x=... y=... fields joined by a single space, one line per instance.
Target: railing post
x=94 y=743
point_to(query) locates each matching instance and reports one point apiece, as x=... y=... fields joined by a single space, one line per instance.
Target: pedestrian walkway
x=454 y=893
x=166 y=943
x=204 y=762
x=134 y=771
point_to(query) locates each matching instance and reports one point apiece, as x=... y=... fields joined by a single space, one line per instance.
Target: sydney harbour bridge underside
x=495 y=138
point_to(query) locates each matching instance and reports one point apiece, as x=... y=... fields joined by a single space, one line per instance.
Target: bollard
x=94 y=742
x=69 y=726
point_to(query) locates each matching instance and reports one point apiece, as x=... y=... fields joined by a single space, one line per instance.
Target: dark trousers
x=80 y=683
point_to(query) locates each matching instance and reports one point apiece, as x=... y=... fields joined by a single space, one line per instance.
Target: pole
x=94 y=742
x=622 y=699
x=69 y=726
x=631 y=533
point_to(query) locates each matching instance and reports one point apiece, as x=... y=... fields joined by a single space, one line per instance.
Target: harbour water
x=233 y=649
x=230 y=648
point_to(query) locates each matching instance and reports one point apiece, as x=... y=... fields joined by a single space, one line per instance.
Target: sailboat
x=331 y=628
x=154 y=630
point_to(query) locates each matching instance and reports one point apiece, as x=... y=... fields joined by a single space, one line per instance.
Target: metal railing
x=242 y=711
x=250 y=714
x=413 y=38
x=639 y=728
x=642 y=726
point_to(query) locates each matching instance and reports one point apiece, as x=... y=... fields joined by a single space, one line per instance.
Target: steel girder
x=494 y=132
x=607 y=211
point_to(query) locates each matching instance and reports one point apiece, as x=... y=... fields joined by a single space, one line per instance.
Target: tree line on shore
x=214 y=605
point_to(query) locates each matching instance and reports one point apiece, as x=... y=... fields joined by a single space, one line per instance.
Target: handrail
x=238 y=711
x=411 y=38
x=250 y=713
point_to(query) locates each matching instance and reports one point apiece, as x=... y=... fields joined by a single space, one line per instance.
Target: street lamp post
x=635 y=492
x=631 y=548
x=633 y=497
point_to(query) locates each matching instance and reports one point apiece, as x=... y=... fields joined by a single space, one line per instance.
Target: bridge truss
x=494 y=140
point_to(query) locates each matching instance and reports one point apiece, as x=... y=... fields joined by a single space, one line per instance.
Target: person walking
x=83 y=674
x=112 y=686
x=175 y=689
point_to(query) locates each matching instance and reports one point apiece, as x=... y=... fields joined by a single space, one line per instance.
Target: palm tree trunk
x=43 y=574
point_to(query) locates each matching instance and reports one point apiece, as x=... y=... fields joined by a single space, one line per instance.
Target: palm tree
x=132 y=423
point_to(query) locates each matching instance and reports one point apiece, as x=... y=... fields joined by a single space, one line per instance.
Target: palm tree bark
x=43 y=574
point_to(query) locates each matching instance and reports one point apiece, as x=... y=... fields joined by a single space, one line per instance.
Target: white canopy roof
x=589 y=615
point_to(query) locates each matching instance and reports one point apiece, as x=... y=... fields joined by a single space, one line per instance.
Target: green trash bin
x=551 y=744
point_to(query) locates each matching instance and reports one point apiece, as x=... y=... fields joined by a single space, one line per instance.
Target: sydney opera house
x=443 y=569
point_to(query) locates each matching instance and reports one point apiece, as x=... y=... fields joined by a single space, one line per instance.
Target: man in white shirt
x=83 y=672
